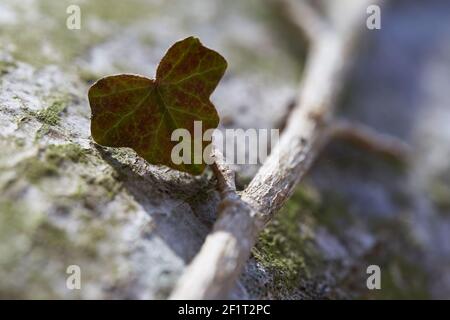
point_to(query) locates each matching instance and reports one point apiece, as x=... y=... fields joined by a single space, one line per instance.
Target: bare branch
x=225 y=249
x=224 y=174
x=369 y=138
x=219 y=263
x=303 y=16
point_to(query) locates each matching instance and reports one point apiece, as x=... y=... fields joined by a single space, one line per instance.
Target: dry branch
x=302 y=16
x=213 y=272
x=370 y=139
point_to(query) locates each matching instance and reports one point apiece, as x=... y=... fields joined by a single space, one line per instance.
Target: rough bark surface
x=133 y=227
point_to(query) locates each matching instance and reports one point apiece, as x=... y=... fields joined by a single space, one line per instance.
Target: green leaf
x=141 y=113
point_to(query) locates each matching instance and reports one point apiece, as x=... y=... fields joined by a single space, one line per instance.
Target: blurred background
x=133 y=227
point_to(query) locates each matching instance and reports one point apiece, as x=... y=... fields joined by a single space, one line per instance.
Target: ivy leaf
x=141 y=113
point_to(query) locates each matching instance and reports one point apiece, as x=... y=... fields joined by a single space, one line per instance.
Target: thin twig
x=224 y=250
x=301 y=15
x=370 y=139
x=224 y=174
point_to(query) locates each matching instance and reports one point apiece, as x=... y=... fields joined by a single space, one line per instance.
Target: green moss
x=6 y=66
x=16 y=223
x=440 y=192
x=20 y=142
x=123 y=13
x=31 y=245
x=52 y=238
x=42 y=131
x=282 y=248
x=35 y=169
x=13 y=216
x=51 y=115
x=110 y=183
x=401 y=279
x=56 y=154
x=62 y=45
x=88 y=76
x=333 y=213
